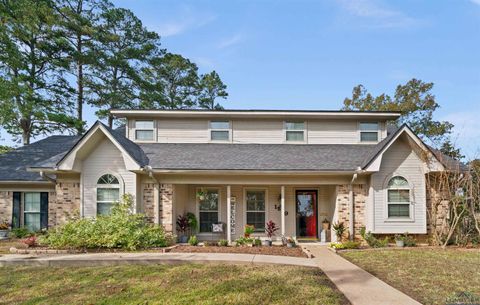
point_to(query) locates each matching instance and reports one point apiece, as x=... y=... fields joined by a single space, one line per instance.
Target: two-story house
x=236 y=167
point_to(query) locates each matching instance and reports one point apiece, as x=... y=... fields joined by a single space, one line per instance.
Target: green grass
x=430 y=276
x=162 y=284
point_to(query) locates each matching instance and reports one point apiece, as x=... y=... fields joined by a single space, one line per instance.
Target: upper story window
x=369 y=132
x=294 y=131
x=398 y=197
x=144 y=130
x=219 y=130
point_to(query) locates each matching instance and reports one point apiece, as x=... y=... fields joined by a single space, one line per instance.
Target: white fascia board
x=435 y=164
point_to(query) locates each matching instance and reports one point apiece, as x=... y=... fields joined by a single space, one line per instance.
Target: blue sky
x=310 y=54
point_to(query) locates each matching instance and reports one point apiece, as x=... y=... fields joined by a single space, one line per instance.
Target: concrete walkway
x=359 y=286
x=106 y=259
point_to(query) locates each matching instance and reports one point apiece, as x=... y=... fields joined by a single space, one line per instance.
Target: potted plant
x=182 y=227
x=290 y=242
x=4 y=228
x=325 y=224
x=339 y=229
x=399 y=240
x=201 y=194
x=192 y=222
x=270 y=229
x=249 y=230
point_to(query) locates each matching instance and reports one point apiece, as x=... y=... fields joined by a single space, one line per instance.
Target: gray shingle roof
x=272 y=157
x=13 y=164
x=132 y=148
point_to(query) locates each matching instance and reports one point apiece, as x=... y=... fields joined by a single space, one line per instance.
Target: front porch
x=297 y=209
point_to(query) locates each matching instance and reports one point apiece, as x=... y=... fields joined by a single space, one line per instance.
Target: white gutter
x=48 y=178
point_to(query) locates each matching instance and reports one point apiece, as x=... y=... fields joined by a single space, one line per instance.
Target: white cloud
x=377 y=14
x=230 y=41
x=185 y=20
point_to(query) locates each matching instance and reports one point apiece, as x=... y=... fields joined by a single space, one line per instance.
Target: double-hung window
x=398 y=198
x=255 y=209
x=369 y=132
x=208 y=210
x=144 y=130
x=108 y=193
x=30 y=210
x=294 y=131
x=220 y=131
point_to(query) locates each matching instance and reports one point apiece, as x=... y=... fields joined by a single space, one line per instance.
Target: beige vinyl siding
x=105 y=158
x=400 y=159
x=183 y=131
x=333 y=132
x=257 y=131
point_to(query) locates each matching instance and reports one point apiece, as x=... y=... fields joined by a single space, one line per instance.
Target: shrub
x=30 y=241
x=182 y=224
x=372 y=241
x=223 y=243
x=339 y=228
x=351 y=244
x=192 y=221
x=257 y=242
x=408 y=240
x=120 y=229
x=243 y=241
x=193 y=240
x=210 y=244
x=21 y=232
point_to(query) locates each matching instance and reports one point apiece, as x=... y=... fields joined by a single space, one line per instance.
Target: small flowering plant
x=249 y=230
x=30 y=241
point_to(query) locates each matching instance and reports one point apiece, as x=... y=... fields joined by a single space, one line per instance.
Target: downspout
x=351 y=223
x=48 y=178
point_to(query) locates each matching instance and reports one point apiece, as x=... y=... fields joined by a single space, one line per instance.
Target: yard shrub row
x=120 y=229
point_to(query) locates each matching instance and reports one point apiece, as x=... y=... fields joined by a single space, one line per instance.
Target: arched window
x=108 y=192
x=398 y=197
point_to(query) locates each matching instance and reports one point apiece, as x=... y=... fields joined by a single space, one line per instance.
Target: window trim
x=229 y=129
x=22 y=208
x=245 y=190
x=411 y=204
x=154 y=130
x=197 y=206
x=118 y=186
x=369 y=131
x=305 y=133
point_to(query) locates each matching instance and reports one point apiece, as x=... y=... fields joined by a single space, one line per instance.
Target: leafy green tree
x=78 y=24
x=33 y=99
x=124 y=47
x=416 y=103
x=211 y=88
x=5 y=149
x=450 y=150
x=170 y=82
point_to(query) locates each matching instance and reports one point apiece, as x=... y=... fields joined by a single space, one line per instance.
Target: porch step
x=308 y=240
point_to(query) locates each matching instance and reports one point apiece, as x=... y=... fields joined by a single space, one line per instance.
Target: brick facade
x=166 y=206
x=6 y=209
x=148 y=198
x=64 y=203
x=343 y=202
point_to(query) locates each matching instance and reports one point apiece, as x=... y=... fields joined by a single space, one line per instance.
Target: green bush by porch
x=121 y=229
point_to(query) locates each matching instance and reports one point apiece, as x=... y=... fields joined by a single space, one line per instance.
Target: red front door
x=306 y=211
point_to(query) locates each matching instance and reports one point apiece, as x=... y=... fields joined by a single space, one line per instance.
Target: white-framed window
x=144 y=130
x=369 y=131
x=255 y=209
x=398 y=198
x=295 y=131
x=108 y=192
x=208 y=209
x=31 y=211
x=220 y=131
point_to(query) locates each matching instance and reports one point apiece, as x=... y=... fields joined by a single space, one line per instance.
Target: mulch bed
x=274 y=250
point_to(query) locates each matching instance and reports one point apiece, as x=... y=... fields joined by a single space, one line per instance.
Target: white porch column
x=229 y=214
x=282 y=204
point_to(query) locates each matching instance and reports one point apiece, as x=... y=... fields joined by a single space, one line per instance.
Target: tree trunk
x=26 y=130
x=79 y=85
x=110 y=121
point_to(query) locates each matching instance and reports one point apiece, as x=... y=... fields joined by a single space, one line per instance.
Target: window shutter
x=44 y=210
x=17 y=201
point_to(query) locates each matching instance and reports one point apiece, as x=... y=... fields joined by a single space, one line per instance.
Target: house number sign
x=232 y=217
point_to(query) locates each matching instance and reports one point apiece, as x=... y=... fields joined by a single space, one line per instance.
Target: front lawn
x=430 y=276
x=163 y=284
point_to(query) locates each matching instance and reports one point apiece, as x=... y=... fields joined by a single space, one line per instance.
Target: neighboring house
x=238 y=167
